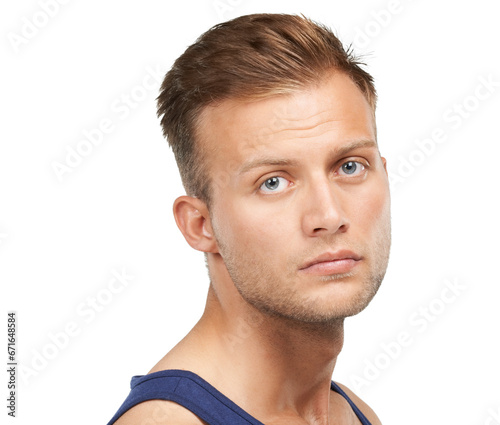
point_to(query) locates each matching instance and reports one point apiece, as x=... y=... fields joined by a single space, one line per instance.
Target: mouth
x=342 y=261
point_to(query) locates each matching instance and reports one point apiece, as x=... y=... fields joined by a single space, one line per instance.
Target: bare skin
x=272 y=327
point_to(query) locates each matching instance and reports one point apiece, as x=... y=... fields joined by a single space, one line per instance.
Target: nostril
x=342 y=228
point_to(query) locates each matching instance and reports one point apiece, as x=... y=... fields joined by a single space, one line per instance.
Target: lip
x=342 y=261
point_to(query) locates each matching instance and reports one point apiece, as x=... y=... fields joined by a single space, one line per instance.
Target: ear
x=193 y=220
x=384 y=161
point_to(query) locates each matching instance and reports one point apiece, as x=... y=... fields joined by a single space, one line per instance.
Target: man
x=273 y=128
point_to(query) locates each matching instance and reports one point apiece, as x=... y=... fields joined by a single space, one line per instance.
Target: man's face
x=298 y=179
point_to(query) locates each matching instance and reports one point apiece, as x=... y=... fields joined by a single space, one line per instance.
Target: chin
x=345 y=302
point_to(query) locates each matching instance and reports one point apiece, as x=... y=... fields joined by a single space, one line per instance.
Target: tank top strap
x=355 y=408
x=190 y=391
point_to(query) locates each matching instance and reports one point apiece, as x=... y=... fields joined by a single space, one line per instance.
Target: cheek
x=252 y=228
x=234 y=224
x=372 y=209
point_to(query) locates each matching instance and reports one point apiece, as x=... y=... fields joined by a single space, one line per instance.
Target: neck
x=286 y=365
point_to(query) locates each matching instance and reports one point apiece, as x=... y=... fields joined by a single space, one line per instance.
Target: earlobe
x=193 y=220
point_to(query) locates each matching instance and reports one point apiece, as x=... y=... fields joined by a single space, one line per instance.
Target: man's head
x=295 y=213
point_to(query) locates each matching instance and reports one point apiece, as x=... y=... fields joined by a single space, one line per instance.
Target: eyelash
x=363 y=165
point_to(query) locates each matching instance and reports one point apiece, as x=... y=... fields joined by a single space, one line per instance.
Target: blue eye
x=273 y=184
x=351 y=167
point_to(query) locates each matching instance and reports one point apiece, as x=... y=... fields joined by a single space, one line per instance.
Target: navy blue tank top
x=195 y=394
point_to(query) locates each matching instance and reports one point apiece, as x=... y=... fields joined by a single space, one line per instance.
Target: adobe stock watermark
x=493 y=417
x=453 y=118
x=255 y=144
x=121 y=108
x=418 y=322
x=31 y=26
x=160 y=415
x=3 y=237
x=381 y=19
x=244 y=329
x=85 y=313
x=222 y=7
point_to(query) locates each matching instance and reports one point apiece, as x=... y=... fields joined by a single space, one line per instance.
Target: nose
x=322 y=210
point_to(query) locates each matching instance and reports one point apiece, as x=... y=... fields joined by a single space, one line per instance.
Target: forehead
x=334 y=111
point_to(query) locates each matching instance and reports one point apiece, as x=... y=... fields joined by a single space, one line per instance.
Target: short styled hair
x=248 y=58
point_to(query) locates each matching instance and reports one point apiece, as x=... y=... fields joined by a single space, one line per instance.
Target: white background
x=62 y=238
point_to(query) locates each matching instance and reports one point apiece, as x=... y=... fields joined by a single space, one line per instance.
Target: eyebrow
x=268 y=161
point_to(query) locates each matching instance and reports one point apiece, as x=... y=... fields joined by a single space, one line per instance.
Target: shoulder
x=367 y=410
x=159 y=412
